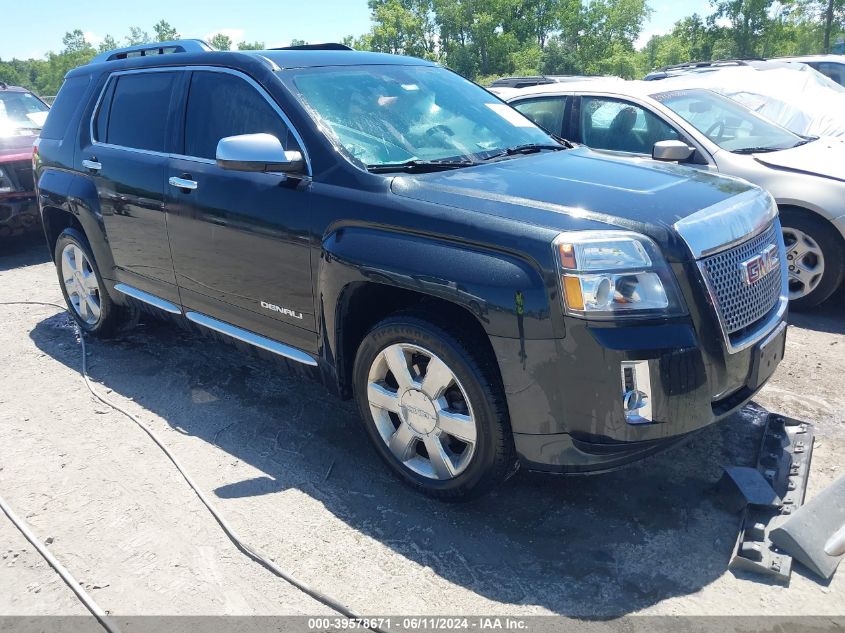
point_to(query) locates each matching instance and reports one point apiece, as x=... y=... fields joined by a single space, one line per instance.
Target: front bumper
x=18 y=214
x=565 y=395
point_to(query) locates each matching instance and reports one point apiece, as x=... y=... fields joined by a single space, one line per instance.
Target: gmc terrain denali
x=490 y=295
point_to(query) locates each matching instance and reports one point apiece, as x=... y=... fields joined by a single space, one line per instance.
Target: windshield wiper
x=757 y=150
x=419 y=166
x=806 y=139
x=527 y=148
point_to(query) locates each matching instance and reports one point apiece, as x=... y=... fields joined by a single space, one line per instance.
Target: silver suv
x=702 y=129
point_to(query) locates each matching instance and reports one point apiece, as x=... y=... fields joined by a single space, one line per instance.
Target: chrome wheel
x=421 y=411
x=805 y=260
x=81 y=285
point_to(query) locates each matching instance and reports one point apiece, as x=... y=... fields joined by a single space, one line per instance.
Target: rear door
x=127 y=157
x=240 y=240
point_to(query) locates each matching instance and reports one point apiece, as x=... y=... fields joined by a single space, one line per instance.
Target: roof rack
x=329 y=46
x=157 y=48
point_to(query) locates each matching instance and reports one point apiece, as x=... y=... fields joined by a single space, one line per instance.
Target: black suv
x=489 y=295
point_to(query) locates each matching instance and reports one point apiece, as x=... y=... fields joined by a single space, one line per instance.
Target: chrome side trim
x=217 y=69
x=146 y=297
x=251 y=338
x=727 y=223
x=775 y=317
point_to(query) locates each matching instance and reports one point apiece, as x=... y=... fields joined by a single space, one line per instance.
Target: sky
x=25 y=33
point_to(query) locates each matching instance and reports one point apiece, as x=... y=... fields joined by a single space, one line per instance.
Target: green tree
x=748 y=21
x=108 y=44
x=136 y=36
x=828 y=14
x=251 y=46
x=403 y=27
x=164 y=32
x=221 y=42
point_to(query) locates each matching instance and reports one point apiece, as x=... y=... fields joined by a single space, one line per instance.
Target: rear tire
x=83 y=287
x=815 y=255
x=443 y=425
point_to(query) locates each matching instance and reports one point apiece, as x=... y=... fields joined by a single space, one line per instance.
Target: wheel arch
x=71 y=200
x=803 y=206
x=489 y=293
x=363 y=304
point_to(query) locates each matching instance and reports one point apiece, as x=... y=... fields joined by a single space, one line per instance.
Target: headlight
x=613 y=274
x=6 y=185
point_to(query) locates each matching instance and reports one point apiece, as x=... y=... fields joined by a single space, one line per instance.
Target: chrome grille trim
x=738 y=305
x=741 y=304
x=727 y=223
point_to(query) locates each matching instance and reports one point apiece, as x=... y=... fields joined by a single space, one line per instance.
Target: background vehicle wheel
x=82 y=285
x=815 y=255
x=435 y=411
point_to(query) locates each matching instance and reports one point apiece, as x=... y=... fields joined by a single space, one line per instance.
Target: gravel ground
x=291 y=470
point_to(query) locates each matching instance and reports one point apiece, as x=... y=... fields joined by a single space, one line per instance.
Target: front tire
x=83 y=287
x=815 y=258
x=434 y=410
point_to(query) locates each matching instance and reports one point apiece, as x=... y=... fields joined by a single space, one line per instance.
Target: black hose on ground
x=252 y=552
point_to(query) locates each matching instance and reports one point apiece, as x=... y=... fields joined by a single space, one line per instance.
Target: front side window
x=622 y=126
x=726 y=123
x=547 y=112
x=386 y=114
x=21 y=113
x=221 y=105
x=138 y=111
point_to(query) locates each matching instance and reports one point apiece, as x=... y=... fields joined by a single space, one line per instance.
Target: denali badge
x=754 y=269
x=287 y=311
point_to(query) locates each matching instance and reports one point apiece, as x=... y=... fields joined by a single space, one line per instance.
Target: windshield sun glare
x=392 y=114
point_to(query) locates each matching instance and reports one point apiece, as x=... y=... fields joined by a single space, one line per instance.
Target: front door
x=240 y=240
x=127 y=158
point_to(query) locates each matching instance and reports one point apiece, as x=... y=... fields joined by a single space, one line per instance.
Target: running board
x=147 y=298
x=251 y=338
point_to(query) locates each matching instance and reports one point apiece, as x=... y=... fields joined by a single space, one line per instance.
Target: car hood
x=16 y=147
x=576 y=189
x=824 y=157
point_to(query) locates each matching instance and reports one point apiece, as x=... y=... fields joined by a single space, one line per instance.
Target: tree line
x=485 y=39
x=44 y=76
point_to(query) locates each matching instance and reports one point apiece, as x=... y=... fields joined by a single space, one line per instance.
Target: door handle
x=183 y=183
x=92 y=164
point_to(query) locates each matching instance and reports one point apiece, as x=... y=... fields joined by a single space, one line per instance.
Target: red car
x=22 y=115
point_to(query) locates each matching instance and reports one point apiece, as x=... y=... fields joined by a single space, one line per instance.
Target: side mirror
x=257 y=152
x=671 y=151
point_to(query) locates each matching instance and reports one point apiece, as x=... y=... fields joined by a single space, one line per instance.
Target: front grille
x=23 y=174
x=740 y=305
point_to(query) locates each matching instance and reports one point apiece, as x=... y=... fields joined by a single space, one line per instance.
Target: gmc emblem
x=754 y=269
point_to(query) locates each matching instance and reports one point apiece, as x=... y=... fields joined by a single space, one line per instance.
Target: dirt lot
x=291 y=470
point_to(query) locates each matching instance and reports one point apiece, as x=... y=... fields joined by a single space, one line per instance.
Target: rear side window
x=66 y=103
x=221 y=105
x=547 y=112
x=138 y=111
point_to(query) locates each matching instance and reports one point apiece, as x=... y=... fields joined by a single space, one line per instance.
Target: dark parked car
x=489 y=296
x=21 y=116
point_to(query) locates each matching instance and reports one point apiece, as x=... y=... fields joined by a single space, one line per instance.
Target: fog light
x=636 y=392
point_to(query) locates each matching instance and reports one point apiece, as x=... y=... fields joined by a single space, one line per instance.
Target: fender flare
x=77 y=195
x=506 y=293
